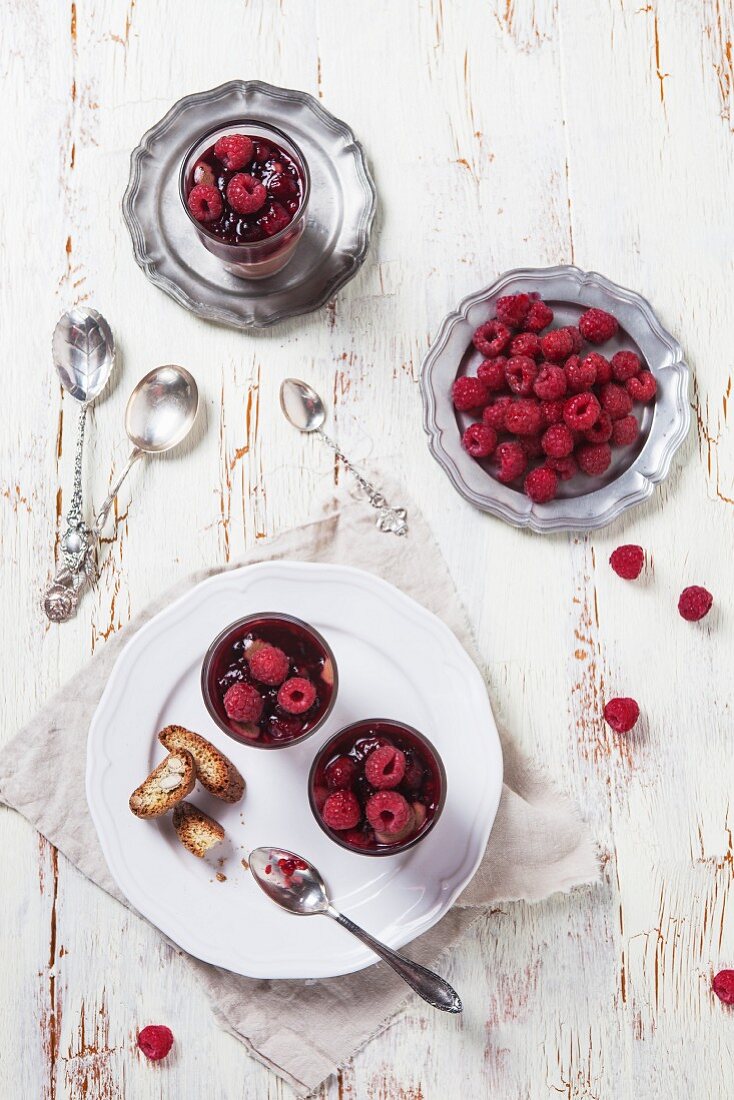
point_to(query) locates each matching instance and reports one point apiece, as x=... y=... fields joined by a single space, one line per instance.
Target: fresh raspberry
x=492 y=373
x=205 y=203
x=245 y=194
x=624 y=431
x=388 y=812
x=621 y=714
x=155 y=1041
x=581 y=412
x=243 y=703
x=269 y=665
x=520 y=373
x=552 y=411
x=550 y=382
x=541 y=484
x=234 y=151
x=523 y=417
x=566 y=468
x=643 y=387
x=513 y=309
x=580 y=374
x=341 y=774
x=469 y=393
x=494 y=414
x=602 y=367
x=723 y=986
x=203 y=173
x=694 y=603
x=532 y=445
x=557 y=441
x=297 y=695
x=491 y=339
x=615 y=400
x=597 y=326
x=601 y=431
x=557 y=345
x=575 y=335
x=341 y=811
x=274 y=218
x=594 y=458
x=627 y=561
x=525 y=343
x=512 y=461
x=625 y=364
x=385 y=767
x=479 y=440
x=539 y=317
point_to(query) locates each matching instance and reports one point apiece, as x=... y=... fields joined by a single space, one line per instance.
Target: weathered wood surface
x=501 y=133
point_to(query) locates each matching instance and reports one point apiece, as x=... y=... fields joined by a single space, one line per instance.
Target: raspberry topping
x=385 y=767
x=479 y=440
x=625 y=364
x=341 y=773
x=520 y=373
x=597 y=326
x=642 y=387
x=155 y=1041
x=245 y=194
x=234 y=151
x=275 y=218
x=525 y=343
x=624 y=431
x=581 y=412
x=539 y=317
x=297 y=695
x=469 y=393
x=492 y=373
x=615 y=400
x=621 y=714
x=628 y=561
x=566 y=468
x=694 y=603
x=550 y=383
x=594 y=458
x=541 y=484
x=523 y=417
x=491 y=339
x=580 y=373
x=557 y=345
x=512 y=461
x=205 y=202
x=494 y=414
x=723 y=986
x=387 y=812
x=243 y=703
x=341 y=810
x=269 y=665
x=557 y=441
x=601 y=431
x=513 y=309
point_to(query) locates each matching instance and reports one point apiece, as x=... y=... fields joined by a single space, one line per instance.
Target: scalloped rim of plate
x=669 y=428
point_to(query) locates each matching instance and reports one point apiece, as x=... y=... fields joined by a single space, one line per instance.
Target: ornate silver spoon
x=305 y=410
x=295 y=885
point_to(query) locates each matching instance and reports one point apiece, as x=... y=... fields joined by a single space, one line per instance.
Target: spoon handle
x=392 y=520
x=425 y=983
x=104 y=511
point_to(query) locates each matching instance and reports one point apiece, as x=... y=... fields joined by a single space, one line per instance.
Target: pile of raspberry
x=549 y=406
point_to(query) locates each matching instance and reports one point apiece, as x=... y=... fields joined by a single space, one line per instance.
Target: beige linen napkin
x=304 y=1031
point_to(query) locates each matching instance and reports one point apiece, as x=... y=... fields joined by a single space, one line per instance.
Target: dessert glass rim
x=278 y=616
x=244 y=121
x=333 y=834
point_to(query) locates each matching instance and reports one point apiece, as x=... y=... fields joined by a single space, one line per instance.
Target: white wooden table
x=500 y=133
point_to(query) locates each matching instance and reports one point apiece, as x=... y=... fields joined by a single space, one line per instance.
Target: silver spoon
x=305 y=410
x=300 y=889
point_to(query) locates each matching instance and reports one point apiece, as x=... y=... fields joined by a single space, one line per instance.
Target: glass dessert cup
x=421 y=784
x=228 y=662
x=257 y=259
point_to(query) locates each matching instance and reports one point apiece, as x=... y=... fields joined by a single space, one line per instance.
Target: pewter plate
x=340 y=214
x=583 y=504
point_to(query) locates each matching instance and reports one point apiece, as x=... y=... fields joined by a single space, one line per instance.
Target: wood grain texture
x=500 y=133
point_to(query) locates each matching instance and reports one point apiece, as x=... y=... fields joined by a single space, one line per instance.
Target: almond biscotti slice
x=196 y=830
x=214 y=770
x=171 y=781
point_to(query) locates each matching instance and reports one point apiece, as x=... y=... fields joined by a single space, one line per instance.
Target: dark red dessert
x=269 y=680
x=377 y=787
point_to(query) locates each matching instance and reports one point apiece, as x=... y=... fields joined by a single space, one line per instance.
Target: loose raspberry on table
x=694 y=603
x=539 y=317
x=557 y=345
x=205 y=203
x=525 y=343
x=243 y=703
x=723 y=986
x=491 y=339
x=628 y=561
x=341 y=811
x=494 y=414
x=552 y=411
x=557 y=441
x=388 y=812
x=479 y=440
x=385 y=767
x=601 y=431
x=615 y=400
x=594 y=458
x=541 y=484
x=245 y=194
x=566 y=468
x=492 y=373
x=155 y=1041
x=550 y=382
x=512 y=461
x=269 y=665
x=625 y=431
x=581 y=412
x=602 y=367
x=642 y=387
x=275 y=218
x=597 y=326
x=513 y=309
x=625 y=364
x=523 y=417
x=297 y=695
x=520 y=373
x=234 y=151
x=469 y=393
x=341 y=774
x=621 y=714
x=580 y=374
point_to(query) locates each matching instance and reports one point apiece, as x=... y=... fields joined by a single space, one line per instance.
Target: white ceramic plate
x=395 y=659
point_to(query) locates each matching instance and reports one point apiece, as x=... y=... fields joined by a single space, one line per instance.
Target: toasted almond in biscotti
x=213 y=770
x=196 y=830
x=171 y=781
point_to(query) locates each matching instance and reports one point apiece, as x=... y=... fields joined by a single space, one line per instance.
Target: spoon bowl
x=302 y=892
x=301 y=405
x=161 y=409
x=83 y=350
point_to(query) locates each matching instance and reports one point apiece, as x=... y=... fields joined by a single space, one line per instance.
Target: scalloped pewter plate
x=340 y=213
x=635 y=470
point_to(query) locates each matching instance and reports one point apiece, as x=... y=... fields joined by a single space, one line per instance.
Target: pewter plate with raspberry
x=555 y=399
x=393 y=657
